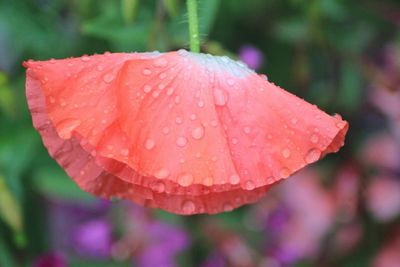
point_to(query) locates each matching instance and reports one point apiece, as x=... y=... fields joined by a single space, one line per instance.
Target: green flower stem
x=193 y=26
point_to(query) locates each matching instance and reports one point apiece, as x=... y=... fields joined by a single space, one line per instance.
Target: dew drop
x=227 y=207
x=100 y=68
x=284 y=172
x=108 y=78
x=314 y=138
x=149 y=144
x=177 y=99
x=165 y=130
x=234 y=141
x=124 y=152
x=162 y=76
x=247 y=130
x=234 y=179
x=294 y=120
x=170 y=91
x=220 y=97
x=198 y=132
x=155 y=94
x=208 y=181
x=162 y=173
x=214 y=123
x=52 y=99
x=185 y=180
x=160 y=62
x=230 y=82
x=158 y=186
x=146 y=88
x=249 y=185
x=85 y=58
x=200 y=104
x=63 y=103
x=181 y=141
x=146 y=72
x=193 y=117
x=65 y=127
x=178 y=120
x=312 y=155
x=188 y=207
x=286 y=153
x=183 y=52
x=341 y=124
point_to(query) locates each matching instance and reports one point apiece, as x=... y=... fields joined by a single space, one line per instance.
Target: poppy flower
x=185 y=132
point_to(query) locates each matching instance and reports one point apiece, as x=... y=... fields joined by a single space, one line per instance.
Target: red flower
x=188 y=133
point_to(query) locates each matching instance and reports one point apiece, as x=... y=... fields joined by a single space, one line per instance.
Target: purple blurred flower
x=252 y=56
x=164 y=242
x=93 y=238
x=50 y=260
x=383 y=198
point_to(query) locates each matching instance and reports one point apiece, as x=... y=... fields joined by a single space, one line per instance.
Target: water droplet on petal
x=286 y=153
x=208 y=181
x=185 y=179
x=63 y=103
x=181 y=141
x=249 y=185
x=220 y=97
x=162 y=173
x=108 y=78
x=177 y=99
x=200 y=104
x=294 y=120
x=198 y=132
x=284 y=172
x=170 y=91
x=183 y=52
x=52 y=99
x=165 y=130
x=312 y=155
x=192 y=117
x=230 y=82
x=234 y=141
x=234 y=179
x=146 y=88
x=227 y=206
x=124 y=152
x=214 y=123
x=188 y=207
x=149 y=144
x=247 y=130
x=85 y=58
x=178 y=120
x=314 y=138
x=146 y=72
x=340 y=124
x=65 y=127
x=158 y=186
x=100 y=68
x=155 y=94
x=160 y=62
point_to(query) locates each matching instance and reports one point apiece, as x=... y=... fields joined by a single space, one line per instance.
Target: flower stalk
x=193 y=26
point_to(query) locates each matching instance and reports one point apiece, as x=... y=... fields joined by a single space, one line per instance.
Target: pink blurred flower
x=311 y=215
x=252 y=56
x=383 y=197
x=382 y=150
x=389 y=255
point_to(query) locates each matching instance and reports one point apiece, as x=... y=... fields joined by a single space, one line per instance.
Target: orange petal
x=189 y=133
